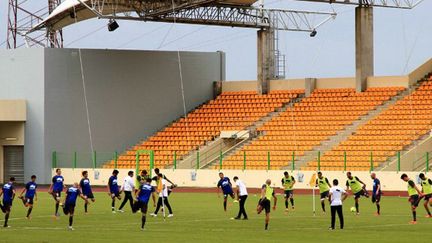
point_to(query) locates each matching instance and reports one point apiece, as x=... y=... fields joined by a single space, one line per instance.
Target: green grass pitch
x=199 y=217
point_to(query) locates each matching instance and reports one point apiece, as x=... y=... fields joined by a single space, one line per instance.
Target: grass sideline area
x=200 y=217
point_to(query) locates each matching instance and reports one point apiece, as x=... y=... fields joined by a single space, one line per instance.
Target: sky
x=402 y=40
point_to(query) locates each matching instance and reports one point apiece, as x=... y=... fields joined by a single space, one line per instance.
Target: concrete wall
x=420 y=72
x=334 y=83
x=13 y=110
x=253 y=178
x=321 y=83
x=285 y=84
x=22 y=77
x=386 y=81
x=131 y=95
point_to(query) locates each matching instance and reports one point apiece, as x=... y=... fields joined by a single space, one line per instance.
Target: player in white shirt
x=128 y=187
x=163 y=195
x=336 y=196
x=241 y=193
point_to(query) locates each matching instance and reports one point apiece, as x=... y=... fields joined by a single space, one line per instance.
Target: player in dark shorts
x=267 y=194
x=376 y=193
x=8 y=193
x=56 y=189
x=142 y=197
x=113 y=189
x=358 y=189
x=427 y=192
x=288 y=185
x=86 y=190
x=72 y=194
x=414 y=194
x=324 y=187
x=30 y=195
x=225 y=185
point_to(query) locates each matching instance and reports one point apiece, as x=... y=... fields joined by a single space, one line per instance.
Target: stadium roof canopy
x=72 y=11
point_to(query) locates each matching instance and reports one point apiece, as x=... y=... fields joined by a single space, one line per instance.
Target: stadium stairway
x=210 y=153
x=350 y=129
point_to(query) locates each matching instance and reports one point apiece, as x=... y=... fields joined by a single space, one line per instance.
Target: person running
x=376 y=193
x=288 y=184
x=414 y=194
x=113 y=189
x=127 y=187
x=324 y=187
x=142 y=198
x=56 y=189
x=427 y=192
x=163 y=195
x=242 y=195
x=8 y=193
x=358 y=189
x=30 y=195
x=267 y=193
x=336 y=197
x=225 y=186
x=86 y=190
x=69 y=203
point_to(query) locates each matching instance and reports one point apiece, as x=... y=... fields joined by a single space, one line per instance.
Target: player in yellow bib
x=288 y=185
x=324 y=187
x=358 y=189
x=267 y=194
x=414 y=194
x=427 y=192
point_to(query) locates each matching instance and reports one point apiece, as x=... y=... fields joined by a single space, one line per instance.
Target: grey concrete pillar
x=265 y=60
x=364 y=46
x=310 y=84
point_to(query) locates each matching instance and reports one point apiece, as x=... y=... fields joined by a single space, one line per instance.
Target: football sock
x=29 y=211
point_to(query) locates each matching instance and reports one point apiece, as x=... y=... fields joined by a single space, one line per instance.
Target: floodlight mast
x=21 y=20
x=364 y=32
x=271 y=63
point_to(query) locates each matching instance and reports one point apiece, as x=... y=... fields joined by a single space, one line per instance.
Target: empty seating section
x=230 y=111
x=385 y=135
x=307 y=124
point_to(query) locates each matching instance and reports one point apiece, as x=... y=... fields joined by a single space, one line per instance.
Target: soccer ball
x=353 y=209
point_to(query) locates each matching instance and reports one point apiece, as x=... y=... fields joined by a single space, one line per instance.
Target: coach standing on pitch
x=128 y=187
x=336 y=196
x=241 y=197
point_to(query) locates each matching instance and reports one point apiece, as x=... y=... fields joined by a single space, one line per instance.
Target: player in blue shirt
x=225 y=185
x=8 y=193
x=142 y=198
x=113 y=189
x=86 y=189
x=376 y=193
x=56 y=189
x=30 y=195
x=72 y=194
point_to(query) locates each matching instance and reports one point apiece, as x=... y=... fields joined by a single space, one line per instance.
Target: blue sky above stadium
x=402 y=40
